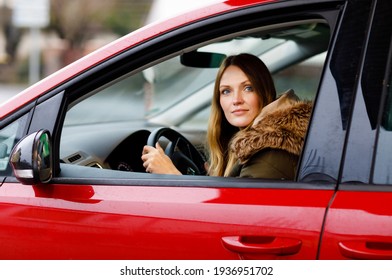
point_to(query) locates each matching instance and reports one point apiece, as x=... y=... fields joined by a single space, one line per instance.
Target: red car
x=77 y=188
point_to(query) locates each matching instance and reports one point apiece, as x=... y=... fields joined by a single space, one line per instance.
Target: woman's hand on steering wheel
x=156 y=161
x=182 y=153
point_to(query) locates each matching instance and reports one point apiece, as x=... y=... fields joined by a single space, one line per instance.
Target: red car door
x=358 y=226
x=59 y=221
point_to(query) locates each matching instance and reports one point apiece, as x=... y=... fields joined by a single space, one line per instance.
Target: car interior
x=107 y=128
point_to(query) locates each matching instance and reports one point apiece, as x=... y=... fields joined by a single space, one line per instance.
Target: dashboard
x=115 y=146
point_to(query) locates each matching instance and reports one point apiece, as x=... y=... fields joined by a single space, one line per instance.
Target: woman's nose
x=237 y=98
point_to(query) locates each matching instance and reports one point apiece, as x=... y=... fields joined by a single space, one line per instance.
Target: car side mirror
x=31 y=158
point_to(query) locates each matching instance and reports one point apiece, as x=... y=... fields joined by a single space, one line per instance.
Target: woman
x=241 y=124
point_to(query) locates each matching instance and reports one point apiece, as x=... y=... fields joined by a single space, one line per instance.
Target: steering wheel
x=187 y=159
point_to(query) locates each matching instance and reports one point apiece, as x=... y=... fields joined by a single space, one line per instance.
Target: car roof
x=126 y=42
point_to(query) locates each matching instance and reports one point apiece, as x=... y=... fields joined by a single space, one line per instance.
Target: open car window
x=108 y=127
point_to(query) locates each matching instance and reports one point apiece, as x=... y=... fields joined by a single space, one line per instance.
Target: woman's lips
x=239 y=111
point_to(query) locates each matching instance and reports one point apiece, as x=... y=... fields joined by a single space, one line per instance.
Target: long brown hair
x=220 y=131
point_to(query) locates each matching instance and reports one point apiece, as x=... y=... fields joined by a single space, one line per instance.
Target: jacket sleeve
x=271 y=164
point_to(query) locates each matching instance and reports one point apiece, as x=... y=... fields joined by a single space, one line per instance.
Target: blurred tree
x=11 y=33
x=128 y=15
x=74 y=20
x=77 y=21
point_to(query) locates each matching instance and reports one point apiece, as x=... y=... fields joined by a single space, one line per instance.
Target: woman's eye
x=225 y=91
x=248 y=88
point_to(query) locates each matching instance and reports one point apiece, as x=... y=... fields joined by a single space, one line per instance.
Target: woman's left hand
x=156 y=161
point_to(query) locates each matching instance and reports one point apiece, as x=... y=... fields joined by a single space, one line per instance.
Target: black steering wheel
x=187 y=159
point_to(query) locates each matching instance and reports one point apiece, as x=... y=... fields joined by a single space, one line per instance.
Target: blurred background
x=38 y=37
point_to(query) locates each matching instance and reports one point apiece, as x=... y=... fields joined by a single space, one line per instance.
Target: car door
x=92 y=213
x=358 y=221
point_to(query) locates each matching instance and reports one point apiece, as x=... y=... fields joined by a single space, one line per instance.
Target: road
x=8 y=91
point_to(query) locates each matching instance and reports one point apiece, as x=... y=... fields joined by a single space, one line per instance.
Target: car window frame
x=147 y=52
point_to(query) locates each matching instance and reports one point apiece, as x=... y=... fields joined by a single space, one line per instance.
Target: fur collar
x=281 y=125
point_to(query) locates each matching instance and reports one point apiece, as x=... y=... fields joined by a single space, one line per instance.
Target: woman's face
x=238 y=99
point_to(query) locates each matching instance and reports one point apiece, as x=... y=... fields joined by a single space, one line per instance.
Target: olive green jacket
x=270 y=148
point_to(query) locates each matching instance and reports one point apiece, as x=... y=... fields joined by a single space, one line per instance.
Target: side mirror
x=31 y=158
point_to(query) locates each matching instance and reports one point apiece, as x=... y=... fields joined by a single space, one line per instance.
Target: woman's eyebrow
x=224 y=86
x=247 y=81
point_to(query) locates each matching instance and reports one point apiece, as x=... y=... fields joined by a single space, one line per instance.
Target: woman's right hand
x=156 y=161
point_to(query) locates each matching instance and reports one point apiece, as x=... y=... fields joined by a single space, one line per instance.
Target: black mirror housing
x=202 y=59
x=31 y=158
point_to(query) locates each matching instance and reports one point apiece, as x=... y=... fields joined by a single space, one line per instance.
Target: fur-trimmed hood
x=281 y=124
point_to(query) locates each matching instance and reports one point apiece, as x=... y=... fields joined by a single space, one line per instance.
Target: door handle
x=367 y=250
x=262 y=244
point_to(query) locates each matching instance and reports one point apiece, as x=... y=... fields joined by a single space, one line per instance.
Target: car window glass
x=9 y=136
x=323 y=149
x=373 y=89
x=383 y=159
